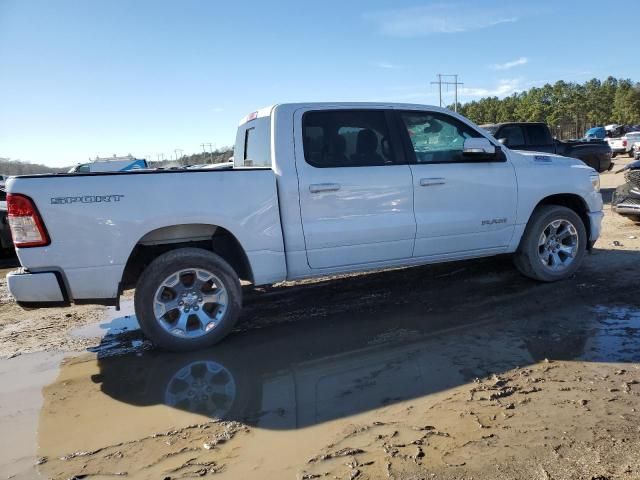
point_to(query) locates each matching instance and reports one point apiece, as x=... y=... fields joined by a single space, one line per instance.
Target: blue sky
x=85 y=78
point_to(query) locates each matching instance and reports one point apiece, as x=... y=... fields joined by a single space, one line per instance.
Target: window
x=84 y=169
x=346 y=138
x=513 y=134
x=437 y=138
x=249 y=145
x=539 y=135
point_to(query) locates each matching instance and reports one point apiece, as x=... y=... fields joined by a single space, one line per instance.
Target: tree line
x=568 y=108
x=16 y=167
x=217 y=156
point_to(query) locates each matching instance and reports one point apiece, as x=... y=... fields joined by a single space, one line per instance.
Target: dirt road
x=451 y=371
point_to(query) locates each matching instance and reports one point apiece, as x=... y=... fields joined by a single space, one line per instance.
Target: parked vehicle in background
x=619 y=146
x=626 y=198
x=633 y=141
x=595 y=133
x=317 y=189
x=111 y=164
x=536 y=137
x=6 y=243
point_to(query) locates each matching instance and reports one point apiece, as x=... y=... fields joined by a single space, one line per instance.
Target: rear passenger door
x=356 y=193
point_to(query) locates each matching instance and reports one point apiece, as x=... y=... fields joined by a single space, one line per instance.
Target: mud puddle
x=22 y=379
x=395 y=393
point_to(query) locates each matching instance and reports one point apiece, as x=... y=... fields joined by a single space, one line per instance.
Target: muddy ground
x=463 y=370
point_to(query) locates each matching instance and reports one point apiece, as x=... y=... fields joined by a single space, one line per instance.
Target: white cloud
x=508 y=65
x=438 y=18
x=504 y=88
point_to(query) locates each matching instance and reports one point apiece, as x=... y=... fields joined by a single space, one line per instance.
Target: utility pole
x=210 y=145
x=455 y=83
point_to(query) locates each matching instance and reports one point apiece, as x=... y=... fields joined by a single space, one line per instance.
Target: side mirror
x=481 y=150
x=504 y=141
x=478 y=146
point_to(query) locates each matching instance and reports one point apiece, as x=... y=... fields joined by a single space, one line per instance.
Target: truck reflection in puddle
x=291 y=377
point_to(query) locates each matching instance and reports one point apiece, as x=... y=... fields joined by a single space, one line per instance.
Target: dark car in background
x=626 y=198
x=536 y=137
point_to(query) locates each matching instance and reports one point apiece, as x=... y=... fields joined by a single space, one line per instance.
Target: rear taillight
x=27 y=228
x=624 y=143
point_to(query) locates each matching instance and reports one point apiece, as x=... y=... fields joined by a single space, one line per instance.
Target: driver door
x=462 y=205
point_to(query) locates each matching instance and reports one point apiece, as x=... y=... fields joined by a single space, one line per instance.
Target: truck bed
x=95 y=220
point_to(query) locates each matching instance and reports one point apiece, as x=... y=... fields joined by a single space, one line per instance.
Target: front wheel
x=553 y=245
x=187 y=299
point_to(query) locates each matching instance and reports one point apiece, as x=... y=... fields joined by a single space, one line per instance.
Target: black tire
x=170 y=263
x=614 y=155
x=526 y=258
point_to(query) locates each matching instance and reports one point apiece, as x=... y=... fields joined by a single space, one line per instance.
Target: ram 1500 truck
x=316 y=189
x=536 y=137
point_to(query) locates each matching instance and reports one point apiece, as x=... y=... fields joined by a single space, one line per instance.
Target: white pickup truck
x=316 y=189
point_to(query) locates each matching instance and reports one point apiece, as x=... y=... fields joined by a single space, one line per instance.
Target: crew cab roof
x=266 y=111
x=502 y=124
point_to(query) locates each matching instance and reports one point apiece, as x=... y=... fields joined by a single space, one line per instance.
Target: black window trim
x=395 y=136
x=410 y=153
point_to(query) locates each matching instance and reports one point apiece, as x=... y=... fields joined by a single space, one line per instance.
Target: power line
x=455 y=83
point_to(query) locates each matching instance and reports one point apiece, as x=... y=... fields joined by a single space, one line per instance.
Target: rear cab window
x=347 y=138
x=253 y=143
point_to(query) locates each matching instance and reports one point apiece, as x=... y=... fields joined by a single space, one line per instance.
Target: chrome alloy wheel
x=190 y=303
x=204 y=386
x=558 y=245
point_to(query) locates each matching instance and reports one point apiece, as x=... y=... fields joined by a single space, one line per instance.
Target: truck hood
x=551 y=158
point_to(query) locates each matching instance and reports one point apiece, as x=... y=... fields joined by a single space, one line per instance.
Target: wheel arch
x=213 y=238
x=572 y=201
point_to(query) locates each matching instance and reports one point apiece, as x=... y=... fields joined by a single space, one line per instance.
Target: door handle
x=323 y=187
x=428 y=182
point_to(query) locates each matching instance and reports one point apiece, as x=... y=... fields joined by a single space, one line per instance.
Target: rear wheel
x=187 y=299
x=553 y=245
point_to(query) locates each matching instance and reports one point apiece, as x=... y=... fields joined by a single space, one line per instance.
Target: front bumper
x=595 y=226
x=42 y=289
x=626 y=200
x=628 y=207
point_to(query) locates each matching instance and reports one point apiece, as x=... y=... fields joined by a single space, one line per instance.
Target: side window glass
x=436 y=138
x=346 y=138
x=538 y=135
x=513 y=134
